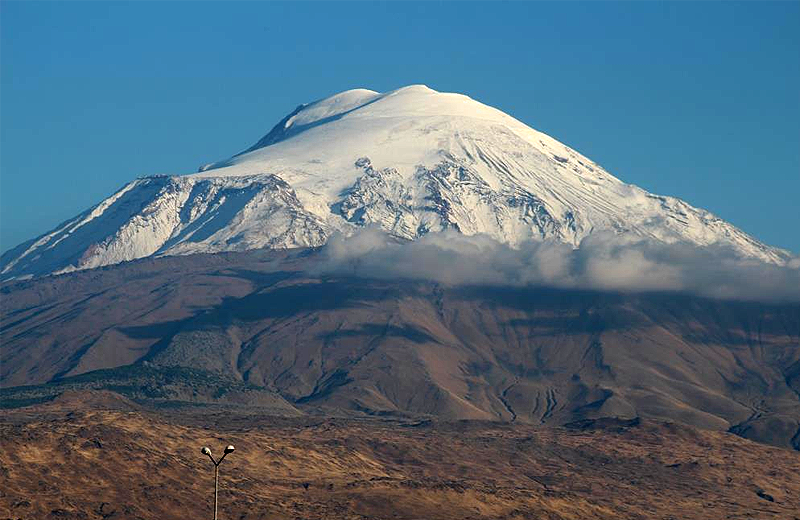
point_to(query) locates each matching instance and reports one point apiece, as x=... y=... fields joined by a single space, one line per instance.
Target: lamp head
x=229 y=449
x=206 y=451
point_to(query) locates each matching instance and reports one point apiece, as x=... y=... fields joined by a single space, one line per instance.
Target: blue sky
x=695 y=100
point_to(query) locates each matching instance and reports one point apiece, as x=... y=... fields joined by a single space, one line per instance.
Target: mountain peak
x=372 y=110
x=401 y=126
x=410 y=161
x=418 y=87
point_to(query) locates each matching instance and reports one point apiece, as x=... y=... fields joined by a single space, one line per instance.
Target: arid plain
x=120 y=461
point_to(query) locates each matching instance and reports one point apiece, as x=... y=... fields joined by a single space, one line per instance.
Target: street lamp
x=207 y=451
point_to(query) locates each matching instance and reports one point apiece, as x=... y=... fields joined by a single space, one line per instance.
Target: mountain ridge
x=411 y=161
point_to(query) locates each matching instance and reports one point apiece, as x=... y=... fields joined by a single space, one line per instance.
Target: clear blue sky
x=696 y=100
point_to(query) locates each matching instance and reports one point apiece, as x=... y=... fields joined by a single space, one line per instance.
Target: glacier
x=411 y=161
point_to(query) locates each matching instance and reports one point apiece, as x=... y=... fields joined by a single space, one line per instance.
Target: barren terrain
x=365 y=399
x=133 y=464
x=260 y=329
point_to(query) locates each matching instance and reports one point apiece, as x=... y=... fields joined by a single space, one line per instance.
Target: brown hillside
x=299 y=342
x=134 y=465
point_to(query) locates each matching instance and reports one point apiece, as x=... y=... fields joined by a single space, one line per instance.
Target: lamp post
x=207 y=451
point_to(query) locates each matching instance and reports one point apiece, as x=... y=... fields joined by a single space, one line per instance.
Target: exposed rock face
x=174 y=215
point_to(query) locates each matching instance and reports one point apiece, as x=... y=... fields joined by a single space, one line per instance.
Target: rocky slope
x=257 y=329
x=411 y=161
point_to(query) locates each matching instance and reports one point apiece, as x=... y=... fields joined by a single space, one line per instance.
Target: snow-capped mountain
x=412 y=161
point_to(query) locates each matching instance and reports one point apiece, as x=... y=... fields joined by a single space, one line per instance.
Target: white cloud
x=603 y=261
